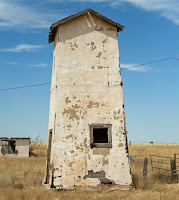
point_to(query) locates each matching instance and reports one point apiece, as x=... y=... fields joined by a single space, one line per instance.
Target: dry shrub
x=19 y=185
x=34 y=144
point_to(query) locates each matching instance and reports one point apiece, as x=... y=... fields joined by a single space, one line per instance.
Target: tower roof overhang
x=54 y=26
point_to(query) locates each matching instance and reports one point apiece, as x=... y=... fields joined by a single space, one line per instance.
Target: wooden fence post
x=151 y=162
x=172 y=162
x=175 y=168
x=145 y=168
x=145 y=171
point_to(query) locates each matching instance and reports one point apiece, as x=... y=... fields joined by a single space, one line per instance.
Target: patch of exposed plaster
x=101 y=151
x=104 y=41
x=93 y=47
x=73 y=46
x=92 y=104
x=80 y=147
x=69 y=136
x=120 y=145
x=85 y=142
x=71 y=164
x=72 y=112
x=67 y=100
x=99 y=55
x=101 y=175
x=105 y=162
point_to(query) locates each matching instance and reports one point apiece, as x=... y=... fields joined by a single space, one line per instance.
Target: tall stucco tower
x=87 y=136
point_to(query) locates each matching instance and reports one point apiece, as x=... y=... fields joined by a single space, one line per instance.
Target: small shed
x=14 y=147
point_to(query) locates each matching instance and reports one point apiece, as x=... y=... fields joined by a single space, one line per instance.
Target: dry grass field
x=21 y=179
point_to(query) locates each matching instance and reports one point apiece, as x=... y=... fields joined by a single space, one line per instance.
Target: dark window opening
x=8 y=146
x=100 y=135
x=107 y=182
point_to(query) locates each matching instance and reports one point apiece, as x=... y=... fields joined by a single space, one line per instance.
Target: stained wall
x=86 y=89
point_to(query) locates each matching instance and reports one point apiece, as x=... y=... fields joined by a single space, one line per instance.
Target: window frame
x=109 y=132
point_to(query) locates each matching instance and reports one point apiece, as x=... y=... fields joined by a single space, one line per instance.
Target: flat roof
x=5 y=138
x=54 y=26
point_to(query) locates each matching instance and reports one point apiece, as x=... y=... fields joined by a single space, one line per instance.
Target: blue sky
x=151 y=92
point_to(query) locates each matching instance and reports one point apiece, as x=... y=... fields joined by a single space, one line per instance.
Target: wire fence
x=176 y=157
x=165 y=166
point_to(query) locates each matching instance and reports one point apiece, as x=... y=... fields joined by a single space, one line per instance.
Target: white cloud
x=135 y=69
x=166 y=8
x=175 y=70
x=28 y=65
x=12 y=63
x=24 y=47
x=15 y=14
x=38 y=65
x=94 y=1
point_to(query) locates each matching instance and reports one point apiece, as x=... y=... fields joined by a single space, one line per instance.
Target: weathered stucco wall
x=86 y=89
x=21 y=148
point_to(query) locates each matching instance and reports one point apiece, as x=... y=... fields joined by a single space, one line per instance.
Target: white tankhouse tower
x=87 y=142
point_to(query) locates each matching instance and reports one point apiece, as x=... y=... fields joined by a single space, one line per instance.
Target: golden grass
x=21 y=179
x=155 y=177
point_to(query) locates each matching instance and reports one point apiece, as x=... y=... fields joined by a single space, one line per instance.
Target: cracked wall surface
x=86 y=89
